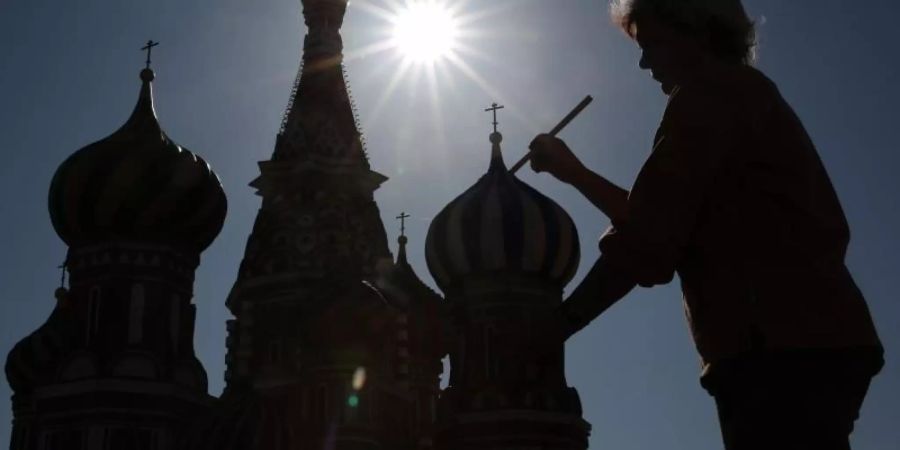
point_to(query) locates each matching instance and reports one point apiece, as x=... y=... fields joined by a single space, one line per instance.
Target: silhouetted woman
x=734 y=198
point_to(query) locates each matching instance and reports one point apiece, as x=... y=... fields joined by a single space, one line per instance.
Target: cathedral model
x=334 y=344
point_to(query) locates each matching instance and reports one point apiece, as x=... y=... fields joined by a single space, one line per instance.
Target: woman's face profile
x=671 y=56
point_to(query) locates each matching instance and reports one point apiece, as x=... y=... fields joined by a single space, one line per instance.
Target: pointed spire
x=320 y=125
x=143 y=120
x=401 y=252
x=496 y=138
x=144 y=115
x=323 y=19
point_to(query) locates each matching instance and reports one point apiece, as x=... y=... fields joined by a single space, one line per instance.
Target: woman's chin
x=667 y=88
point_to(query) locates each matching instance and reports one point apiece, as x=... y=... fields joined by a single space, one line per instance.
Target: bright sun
x=430 y=41
x=425 y=31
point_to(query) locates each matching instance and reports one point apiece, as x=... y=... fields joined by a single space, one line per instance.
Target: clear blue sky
x=69 y=76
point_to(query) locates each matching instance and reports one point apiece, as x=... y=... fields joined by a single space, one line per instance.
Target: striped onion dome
x=498 y=226
x=137 y=184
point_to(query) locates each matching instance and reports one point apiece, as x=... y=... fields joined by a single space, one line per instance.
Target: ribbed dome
x=137 y=184
x=501 y=225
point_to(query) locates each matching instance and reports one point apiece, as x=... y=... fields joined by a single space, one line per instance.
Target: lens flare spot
x=359 y=378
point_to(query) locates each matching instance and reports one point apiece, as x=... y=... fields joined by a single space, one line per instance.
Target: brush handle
x=562 y=124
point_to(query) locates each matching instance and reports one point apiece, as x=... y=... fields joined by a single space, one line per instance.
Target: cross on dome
x=494 y=107
x=402 y=218
x=63 y=267
x=149 y=49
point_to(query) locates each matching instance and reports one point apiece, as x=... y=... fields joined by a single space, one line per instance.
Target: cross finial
x=149 y=49
x=494 y=107
x=63 y=267
x=402 y=218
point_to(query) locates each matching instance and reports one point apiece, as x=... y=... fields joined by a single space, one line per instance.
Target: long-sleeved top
x=735 y=199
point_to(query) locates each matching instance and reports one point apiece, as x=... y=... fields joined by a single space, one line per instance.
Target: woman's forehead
x=647 y=29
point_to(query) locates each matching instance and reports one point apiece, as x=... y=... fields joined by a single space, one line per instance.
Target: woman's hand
x=552 y=155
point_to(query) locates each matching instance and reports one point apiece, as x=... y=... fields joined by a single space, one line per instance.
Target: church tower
x=502 y=253
x=319 y=353
x=114 y=366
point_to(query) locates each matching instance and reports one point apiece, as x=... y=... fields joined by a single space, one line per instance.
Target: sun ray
x=470 y=73
x=375 y=10
x=482 y=13
x=369 y=50
x=436 y=44
x=395 y=80
x=469 y=50
x=435 y=95
x=488 y=88
x=447 y=75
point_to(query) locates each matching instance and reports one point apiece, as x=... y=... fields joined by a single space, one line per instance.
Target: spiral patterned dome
x=501 y=225
x=137 y=184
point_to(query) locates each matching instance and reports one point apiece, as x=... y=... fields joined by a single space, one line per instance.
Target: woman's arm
x=552 y=155
x=602 y=287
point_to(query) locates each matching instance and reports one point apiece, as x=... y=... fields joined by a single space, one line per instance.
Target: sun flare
x=427 y=47
x=425 y=31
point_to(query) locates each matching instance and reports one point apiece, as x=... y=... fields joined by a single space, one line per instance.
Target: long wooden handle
x=562 y=124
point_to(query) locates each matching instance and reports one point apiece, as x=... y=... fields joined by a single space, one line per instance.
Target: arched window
x=93 y=313
x=136 y=314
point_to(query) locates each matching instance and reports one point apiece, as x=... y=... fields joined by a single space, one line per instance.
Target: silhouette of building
x=502 y=253
x=334 y=344
x=321 y=351
x=114 y=365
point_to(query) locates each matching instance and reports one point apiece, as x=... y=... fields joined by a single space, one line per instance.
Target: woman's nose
x=643 y=61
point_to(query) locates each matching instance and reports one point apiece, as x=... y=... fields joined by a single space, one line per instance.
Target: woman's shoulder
x=727 y=93
x=729 y=82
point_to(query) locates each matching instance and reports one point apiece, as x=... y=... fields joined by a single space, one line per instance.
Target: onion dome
x=137 y=184
x=502 y=226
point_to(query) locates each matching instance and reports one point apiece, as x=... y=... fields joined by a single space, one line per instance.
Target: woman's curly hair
x=731 y=33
